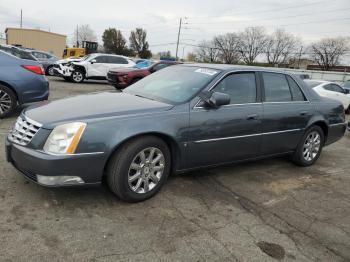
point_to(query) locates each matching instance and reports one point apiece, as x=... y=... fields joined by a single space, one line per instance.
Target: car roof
x=97 y=54
x=226 y=67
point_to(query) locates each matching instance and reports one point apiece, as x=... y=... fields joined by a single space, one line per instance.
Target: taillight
x=37 y=69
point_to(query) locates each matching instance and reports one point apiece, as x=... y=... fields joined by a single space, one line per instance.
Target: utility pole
x=178 y=39
x=77 y=35
x=21 y=18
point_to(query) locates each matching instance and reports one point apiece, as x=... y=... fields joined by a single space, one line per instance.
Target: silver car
x=46 y=59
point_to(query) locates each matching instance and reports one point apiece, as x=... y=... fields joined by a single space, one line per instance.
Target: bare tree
x=228 y=46
x=83 y=33
x=253 y=42
x=280 y=46
x=139 y=44
x=328 y=51
x=207 y=52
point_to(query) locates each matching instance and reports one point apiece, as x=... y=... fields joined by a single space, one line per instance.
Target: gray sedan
x=178 y=119
x=46 y=59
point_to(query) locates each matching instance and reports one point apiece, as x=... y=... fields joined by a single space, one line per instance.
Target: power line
x=274 y=18
x=265 y=11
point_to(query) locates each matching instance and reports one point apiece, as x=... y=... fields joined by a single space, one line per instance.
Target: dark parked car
x=18 y=52
x=178 y=119
x=21 y=81
x=123 y=77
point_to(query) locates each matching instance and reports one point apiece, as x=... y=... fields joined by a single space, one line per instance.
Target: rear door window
x=276 y=88
x=297 y=94
x=117 y=60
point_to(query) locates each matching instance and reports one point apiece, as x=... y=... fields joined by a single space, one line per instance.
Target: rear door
x=231 y=132
x=116 y=61
x=286 y=113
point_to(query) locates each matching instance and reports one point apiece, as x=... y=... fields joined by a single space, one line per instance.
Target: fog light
x=59 y=180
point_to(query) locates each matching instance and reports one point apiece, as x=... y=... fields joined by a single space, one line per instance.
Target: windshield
x=174 y=85
x=313 y=84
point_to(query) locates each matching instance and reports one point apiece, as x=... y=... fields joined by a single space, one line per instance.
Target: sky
x=203 y=19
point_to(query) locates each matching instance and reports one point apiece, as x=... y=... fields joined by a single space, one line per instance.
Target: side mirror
x=93 y=61
x=346 y=91
x=215 y=99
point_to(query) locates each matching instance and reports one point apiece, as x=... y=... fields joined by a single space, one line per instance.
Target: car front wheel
x=138 y=170
x=8 y=101
x=77 y=76
x=310 y=147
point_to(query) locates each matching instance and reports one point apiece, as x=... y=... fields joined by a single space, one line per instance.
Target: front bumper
x=33 y=163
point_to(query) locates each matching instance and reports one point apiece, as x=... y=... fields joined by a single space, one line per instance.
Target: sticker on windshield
x=206 y=71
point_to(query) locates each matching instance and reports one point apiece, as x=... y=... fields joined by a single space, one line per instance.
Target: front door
x=231 y=132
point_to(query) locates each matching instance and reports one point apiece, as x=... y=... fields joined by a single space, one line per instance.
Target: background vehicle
x=178 y=119
x=95 y=66
x=123 y=77
x=303 y=76
x=46 y=59
x=87 y=48
x=21 y=81
x=331 y=90
x=346 y=85
x=73 y=51
x=18 y=52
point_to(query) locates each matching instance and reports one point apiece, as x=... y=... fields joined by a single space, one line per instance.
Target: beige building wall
x=37 y=39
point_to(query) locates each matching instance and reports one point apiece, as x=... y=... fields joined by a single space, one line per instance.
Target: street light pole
x=21 y=18
x=178 y=39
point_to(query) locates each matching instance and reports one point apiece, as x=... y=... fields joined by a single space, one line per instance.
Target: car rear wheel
x=50 y=71
x=77 y=76
x=8 y=101
x=310 y=147
x=138 y=170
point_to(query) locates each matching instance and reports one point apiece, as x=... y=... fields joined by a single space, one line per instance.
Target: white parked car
x=331 y=90
x=94 y=66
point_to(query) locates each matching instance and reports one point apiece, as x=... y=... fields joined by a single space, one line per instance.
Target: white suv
x=94 y=66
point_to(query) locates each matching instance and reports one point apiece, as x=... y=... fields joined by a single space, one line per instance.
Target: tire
x=8 y=101
x=77 y=76
x=301 y=156
x=120 y=170
x=49 y=71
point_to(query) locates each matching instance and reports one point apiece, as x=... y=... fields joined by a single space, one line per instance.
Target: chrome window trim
x=222 y=77
x=263 y=102
x=244 y=136
x=230 y=105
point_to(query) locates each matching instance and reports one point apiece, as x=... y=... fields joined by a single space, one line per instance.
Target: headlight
x=64 y=139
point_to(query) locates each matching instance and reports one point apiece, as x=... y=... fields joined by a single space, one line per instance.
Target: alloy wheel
x=311 y=146
x=5 y=102
x=146 y=170
x=77 y=76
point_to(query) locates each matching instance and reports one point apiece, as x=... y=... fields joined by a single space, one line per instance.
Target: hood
x=126 y=70
x=92 y=106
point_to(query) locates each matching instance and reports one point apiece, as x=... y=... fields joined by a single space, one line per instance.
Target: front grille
x=23 y=131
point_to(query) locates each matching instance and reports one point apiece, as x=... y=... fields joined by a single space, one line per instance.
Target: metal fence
x=338 y=77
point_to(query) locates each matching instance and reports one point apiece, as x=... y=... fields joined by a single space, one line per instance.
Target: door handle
x=253 y=117
x=304 y=113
